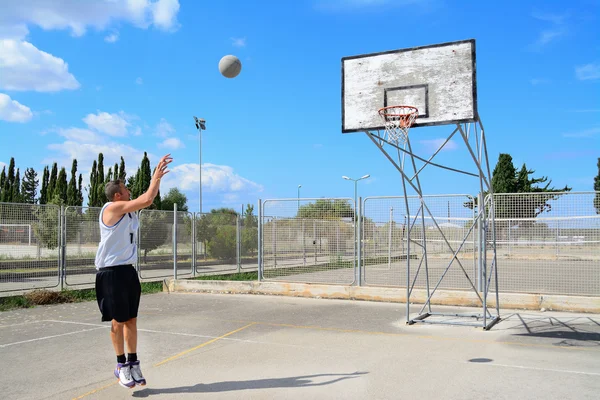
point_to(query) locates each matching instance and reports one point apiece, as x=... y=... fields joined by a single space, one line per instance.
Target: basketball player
x=118 y=288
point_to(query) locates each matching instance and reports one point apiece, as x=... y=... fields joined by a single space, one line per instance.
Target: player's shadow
x=229 y=386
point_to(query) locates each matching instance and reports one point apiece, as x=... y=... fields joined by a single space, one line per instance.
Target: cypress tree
x=44 y=189
x=92 y=192
x=2 y=180
x=29 y=186
x=16 y=188
x=72 y=194
x=122 y=173
x=60 y=190
x=52 y=182
x=100 y=196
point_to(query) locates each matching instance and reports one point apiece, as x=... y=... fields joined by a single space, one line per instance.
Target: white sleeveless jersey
x=118 y=243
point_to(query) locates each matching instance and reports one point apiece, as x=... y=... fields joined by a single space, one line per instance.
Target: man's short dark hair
x=112 y=188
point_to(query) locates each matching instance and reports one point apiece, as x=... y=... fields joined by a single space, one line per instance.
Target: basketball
x=230 y=66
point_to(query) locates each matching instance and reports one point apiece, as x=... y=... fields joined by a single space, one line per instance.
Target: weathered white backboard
x=439 y=80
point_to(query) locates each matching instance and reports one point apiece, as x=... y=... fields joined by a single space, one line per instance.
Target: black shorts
x=118 y=292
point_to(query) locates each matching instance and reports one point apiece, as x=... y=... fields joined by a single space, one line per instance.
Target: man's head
x=116 y=191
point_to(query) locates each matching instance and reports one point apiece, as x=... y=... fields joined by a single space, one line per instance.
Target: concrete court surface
x=225 y=346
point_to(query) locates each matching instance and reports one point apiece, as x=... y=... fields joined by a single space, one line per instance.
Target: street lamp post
x=356 y=239
x=200 y=125
x=299 y=186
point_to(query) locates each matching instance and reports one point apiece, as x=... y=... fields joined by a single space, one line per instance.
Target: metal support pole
x=62 y=239
x=359 y=243
x=260 y=240
x=238 y=241
x=390 y=238
x=175 y=241
x=194 y=247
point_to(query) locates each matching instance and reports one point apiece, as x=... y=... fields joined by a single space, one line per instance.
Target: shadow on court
x=577 y=331
x=229 y=386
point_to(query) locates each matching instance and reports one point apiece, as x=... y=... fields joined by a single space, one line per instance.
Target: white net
x=397 y=120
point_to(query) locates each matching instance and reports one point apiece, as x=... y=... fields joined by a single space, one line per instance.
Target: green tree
x=2 y=180
x=249 y=231
x=7 y=189
x=44 y=189
x=174 y=196
x=154 y=223
x=217 y=230
x=99 y=186
x=504 y=177
x=29 y=186
x=52 y=182
x=16 y=188
x=61 y=187
x=92 y=192
x=326 y=209
x=122 y=173
x=80 y=191
x=46 y=227
x=597 y=189
x=72 y=193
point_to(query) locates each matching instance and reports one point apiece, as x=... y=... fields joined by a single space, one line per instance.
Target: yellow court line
x=172 y=358
x=203 y=344
x=94 y=391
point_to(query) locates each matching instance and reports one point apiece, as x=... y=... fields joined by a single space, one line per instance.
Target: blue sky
x=124 y=77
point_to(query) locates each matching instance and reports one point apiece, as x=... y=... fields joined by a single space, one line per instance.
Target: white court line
x=562 y=371
x=47 y=337
x=182 y=334
x=21 y=323
x=76 y=323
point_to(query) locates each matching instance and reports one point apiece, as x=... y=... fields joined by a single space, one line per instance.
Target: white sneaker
x=136 y=373
x=123 y=374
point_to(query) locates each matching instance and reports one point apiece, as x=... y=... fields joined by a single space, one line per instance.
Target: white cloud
x=13 y=111
x=112 y=38
x=172 y=143
x=110 y=124
x=557 y=29
x=164 y=129
x=77 y=16
x=86 y=152
x=139 y=81
x=164 y=13
x=24 y=67
x=79 y=135
x=553 y=18
x=588 y=72
x=586 y=133
x=215 y=179
x=238 y=42
x=434 y=144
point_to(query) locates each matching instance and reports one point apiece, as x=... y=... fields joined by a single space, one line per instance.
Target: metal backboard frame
x=440 y=80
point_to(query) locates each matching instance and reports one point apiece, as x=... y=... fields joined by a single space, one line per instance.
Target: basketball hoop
x=397 y=121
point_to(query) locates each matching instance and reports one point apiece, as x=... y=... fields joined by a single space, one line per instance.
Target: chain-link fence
x=308 y=240
x=217 y=238
x=29 y=246
x=46 y=246
x=438 y=225
x=548 y=243
x=82 y=235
